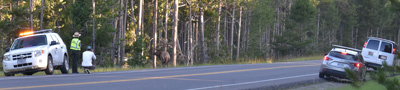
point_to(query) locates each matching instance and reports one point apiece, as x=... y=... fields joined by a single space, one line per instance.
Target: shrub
x=357 y=82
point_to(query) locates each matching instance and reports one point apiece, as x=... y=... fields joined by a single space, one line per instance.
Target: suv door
x=55 y=51
x=385 y=52
x=60 y=47
x=370 y=52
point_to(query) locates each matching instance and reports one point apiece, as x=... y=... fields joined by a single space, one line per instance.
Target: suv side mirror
x=8 y=49
x=53 y=43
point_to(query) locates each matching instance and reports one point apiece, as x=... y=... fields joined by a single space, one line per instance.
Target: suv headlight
x=6 y=57
x=37 y=53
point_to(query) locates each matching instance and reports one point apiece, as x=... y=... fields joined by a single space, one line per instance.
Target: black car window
x=29 y=42
x=373 y=44
x=343 y=56
x=386 y=47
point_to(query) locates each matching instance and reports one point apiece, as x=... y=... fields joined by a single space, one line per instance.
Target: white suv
x=36 y=51
x=378 y=50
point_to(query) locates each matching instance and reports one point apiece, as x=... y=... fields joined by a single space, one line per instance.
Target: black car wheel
x=321 y=75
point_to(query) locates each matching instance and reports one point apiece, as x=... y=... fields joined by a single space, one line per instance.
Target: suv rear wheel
x=49 y=70
x=65 y=66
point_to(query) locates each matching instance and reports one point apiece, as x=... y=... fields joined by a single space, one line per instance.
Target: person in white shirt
x=87 y=58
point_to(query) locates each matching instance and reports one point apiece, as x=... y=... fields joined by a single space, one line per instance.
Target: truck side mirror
x=8 y=49
x=53 y=43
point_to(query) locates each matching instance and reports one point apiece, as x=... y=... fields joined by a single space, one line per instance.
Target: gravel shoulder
x=315 y=84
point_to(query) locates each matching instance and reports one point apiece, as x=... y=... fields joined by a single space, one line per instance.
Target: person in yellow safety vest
x=76 y=48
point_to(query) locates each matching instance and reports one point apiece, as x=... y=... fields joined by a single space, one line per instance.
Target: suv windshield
x=342 y=56
x=29 y=42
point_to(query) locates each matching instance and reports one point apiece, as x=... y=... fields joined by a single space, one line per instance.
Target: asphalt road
x=219 y=77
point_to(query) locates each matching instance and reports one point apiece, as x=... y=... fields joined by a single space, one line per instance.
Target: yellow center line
x=150 y=78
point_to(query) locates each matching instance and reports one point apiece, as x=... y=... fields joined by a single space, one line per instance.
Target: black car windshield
x=29 y=42
x=342 y=55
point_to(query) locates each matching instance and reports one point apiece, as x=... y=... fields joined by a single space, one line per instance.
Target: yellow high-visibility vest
x=76 y=44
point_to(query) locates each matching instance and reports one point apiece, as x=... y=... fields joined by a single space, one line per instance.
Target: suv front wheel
x=65 y=67
x=7 y=74
x=49 y=70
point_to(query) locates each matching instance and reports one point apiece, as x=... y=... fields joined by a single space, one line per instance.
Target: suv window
x=343 y=56
x=29 y=42
x=386 y=47
x=54 y=38
x=373 y=44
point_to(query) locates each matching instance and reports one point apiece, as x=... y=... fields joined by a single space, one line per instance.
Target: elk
x=163 y=54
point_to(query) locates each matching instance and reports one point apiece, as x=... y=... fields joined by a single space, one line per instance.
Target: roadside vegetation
x=386 y=77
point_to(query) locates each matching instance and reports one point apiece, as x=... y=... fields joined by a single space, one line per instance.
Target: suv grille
x=25 y=64
x=22 y=56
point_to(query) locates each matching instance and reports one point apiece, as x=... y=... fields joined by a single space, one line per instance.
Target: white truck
x=35 y=51
x=376 y=51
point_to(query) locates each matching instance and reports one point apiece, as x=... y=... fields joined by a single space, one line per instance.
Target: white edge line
x=227 y=85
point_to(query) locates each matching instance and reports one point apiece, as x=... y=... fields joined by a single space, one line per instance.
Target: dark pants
x=89 y=67
x=75 y=59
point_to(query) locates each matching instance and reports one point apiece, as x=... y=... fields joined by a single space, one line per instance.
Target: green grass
x=316 y=57
x=239 y=61
x=369 y=85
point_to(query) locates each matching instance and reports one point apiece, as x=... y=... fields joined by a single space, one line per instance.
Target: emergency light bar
x=27 y=33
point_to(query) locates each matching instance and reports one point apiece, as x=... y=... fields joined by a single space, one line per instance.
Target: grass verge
x=369 y=85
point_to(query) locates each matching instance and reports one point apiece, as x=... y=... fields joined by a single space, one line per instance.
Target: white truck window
x=373 y=44
x=386 y=47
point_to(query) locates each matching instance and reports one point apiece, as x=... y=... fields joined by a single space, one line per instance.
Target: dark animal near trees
x=164 y=56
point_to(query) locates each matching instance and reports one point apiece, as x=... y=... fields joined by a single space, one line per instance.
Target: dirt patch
x=327 y=84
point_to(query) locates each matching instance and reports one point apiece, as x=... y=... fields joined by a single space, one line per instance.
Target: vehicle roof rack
x=344 y=47
x=376 y=38
x=44 y=31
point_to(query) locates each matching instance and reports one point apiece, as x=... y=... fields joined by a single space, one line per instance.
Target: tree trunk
x=113 y=42
x=175 y=31
x=140 y=20
x=94 y=25
x=124 y=30
x=138 y=32
x=41 y=14
x=166 y=23
x=133 y=18
x=218 y=26
x=190 y=50
x=155 y=32
x=398 y=37
x=318 y=27
x=31 y=14
x=239 y=29
x=203 y=51
x=231 y=33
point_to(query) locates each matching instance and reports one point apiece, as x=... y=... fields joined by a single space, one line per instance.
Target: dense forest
x=203 y=31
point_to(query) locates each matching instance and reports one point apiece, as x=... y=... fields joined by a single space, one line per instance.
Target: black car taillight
x=357 y=64
x=327 y=58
